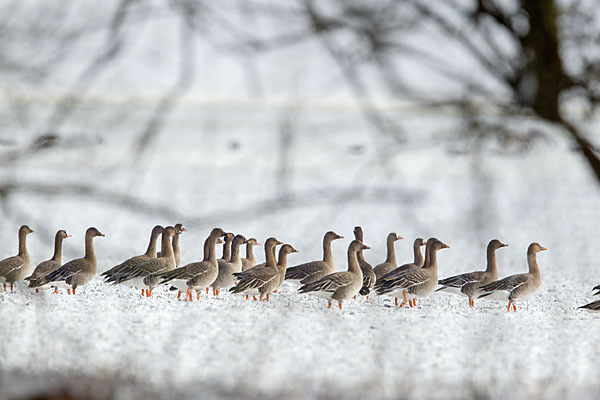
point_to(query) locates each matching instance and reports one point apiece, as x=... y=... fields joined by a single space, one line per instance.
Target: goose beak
x=258 y=244
x=445 y=246
x=399 y=237
x=365 y=247
x=69 y=235
x=339 y=237
x=101 y=234
x=278 y=242
x=295 y=251
x=183 y=229
x=543 y=248
x=504 y=245
x=424 y=243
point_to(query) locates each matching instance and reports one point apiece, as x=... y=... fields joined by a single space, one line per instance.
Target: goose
x=142 y=275
x=48 y=266
x=369 y=277
x=418 y=262
x=116 y=273
x=16 y=268
x=225 y=277
x=415 y=282
x=390 y=260
x=284 y=251
x=197 y=275
x=594 y=306
x=77 y=272
x=315 y=270
x=250 y=260
x=340 y=285
x=251 y=280
x=517 y=287
x=468 y=284
x=179 y=229
x=227 y=247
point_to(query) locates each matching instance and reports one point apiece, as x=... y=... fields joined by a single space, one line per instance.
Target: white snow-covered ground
x=110 y=341
x=294 y=346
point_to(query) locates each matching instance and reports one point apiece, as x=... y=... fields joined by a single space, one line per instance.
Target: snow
x=295 y=346
x=110 y=340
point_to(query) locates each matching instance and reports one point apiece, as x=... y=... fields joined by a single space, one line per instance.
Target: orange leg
x=55 y=290
x=206 y=290
x=354 y=297
x=261 y=296
x=367 y=297
x=178 y=295
x=11 y=287
x=328 y=304
x=188 y=295
x=405 y=298
x=198 y=296
x=267 y=297
x=340 y=304
x=37 y=290
x=471 y=302
x=412 y=303
x=218 y=292
x=254 y=298
x=247 y=297
x=4 y=287
x=143 y=292
x=68 y=291
x=508 y=308
x=396 y=301
x=514 y=307
x=73 y=290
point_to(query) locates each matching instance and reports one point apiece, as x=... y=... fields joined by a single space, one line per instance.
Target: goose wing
x=256 y=279
x=329 y=283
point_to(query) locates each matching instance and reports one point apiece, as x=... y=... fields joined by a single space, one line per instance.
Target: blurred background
x=298 y=116
x=466 y=120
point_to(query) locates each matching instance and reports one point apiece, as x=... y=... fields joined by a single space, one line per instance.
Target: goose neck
x=391 y=252
x=418 y=256
x=57 y=256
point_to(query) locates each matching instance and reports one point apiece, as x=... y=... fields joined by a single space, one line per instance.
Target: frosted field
x=110 y=341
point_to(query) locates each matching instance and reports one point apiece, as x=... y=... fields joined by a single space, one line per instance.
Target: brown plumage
x=414 y=281
x=520 y=286
x=252 y=280
x=179 y=229
x=369 y=277
x=117 y=273
x=468 y=284
x=16 y=268
x=197 y=275
x=249 y=261
x=77 y=272
x=48 y=266
x=340 y=285
x=315 y=270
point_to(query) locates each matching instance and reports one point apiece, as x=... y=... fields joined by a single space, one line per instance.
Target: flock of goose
x=244 y=276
